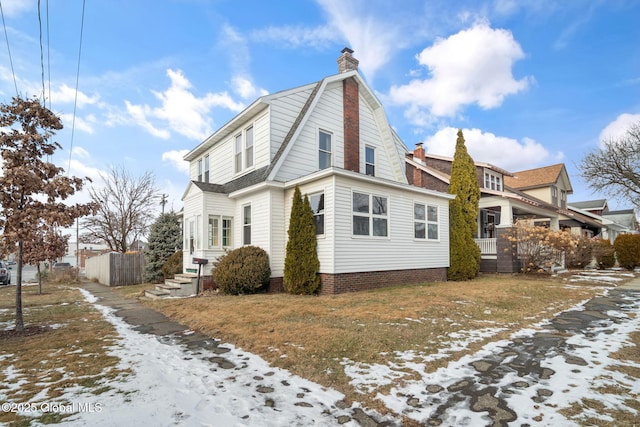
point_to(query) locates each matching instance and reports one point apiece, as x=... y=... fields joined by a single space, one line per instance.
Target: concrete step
x=156 y=293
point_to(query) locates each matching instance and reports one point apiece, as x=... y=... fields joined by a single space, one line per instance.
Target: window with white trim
x=425 y=221
x=206 y=168
x=317 y=205
x=492 y=181
x=213 y=232
x=227 y=231
x=246 y=225
x=248 y=147
x=200 y=170
x=191 y=242
x=324 y=150
x=238 y=153
x=369 y=215
x=370 y=160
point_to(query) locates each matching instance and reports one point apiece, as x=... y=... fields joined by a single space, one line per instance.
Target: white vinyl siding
x=400 y=250
x=284 y=111
x=302 y=158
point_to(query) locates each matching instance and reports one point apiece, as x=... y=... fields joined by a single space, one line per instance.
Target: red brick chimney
x=346 y=62
x=351 y=112
x=418 y=152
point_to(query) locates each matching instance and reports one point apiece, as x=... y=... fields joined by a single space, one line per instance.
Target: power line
x=44 y=102
x=75 y=101
x=8 y=49
x=48 y=57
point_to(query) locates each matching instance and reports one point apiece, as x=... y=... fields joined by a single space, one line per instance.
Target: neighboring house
x=332 y=139
x=505 y=197
x=614 y=222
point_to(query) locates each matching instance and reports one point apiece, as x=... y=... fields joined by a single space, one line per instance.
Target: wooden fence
x=116 y=269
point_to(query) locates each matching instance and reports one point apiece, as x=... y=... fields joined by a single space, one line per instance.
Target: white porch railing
x=487 y=247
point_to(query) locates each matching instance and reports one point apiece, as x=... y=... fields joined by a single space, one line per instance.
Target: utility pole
x=163 y=201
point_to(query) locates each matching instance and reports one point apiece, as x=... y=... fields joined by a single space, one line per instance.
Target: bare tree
x=32 y=190
x=614 y=169
x=125 y=209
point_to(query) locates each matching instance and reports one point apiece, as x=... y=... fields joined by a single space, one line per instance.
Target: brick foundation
x=352 y=282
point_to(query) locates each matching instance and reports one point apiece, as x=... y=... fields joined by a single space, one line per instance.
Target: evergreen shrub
x=604 y=254
x=627 y=248
x=172 y=266
x=301 y=263
x=242 y=271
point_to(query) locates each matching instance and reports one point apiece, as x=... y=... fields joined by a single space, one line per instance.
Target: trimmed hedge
x=242 y=271
x=627 y=248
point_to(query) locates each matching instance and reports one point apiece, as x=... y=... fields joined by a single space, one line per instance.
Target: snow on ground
x=569 y=383
x=170 y=386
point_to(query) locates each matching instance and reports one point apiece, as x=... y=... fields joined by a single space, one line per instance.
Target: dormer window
x=492 y=180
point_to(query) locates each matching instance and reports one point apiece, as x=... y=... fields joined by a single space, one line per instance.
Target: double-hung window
x=199 y=170
x=206 y=168
x=324 y=150
x=370 y=160
x=317 y=205
x=369 y=215
x=248 y=147
x=492 y=181
x=227 y=231
x=425 y=221
x=213 y=232
x=238 y=153
x=246 y=225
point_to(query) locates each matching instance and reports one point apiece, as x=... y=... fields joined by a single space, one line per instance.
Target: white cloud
x=176 y=158
x=246 y=89
x=139 y=115
x=67 y=94
x=618 y=128
x=296 y=36
x=369 y=30
x=470 y=67
x=16 y=7
x=79 y=152
x=83 y=124
x=181 y=110
x=506 y=153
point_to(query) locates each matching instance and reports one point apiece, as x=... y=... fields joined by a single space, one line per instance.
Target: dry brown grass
x=70 y=351
x=311 y=336
x=628 y=357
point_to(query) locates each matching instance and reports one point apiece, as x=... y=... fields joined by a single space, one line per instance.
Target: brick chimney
x=418 y=152
x=346 y=62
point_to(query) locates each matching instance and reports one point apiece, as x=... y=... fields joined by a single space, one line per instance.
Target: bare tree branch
x=124 y=209
x=614 y=169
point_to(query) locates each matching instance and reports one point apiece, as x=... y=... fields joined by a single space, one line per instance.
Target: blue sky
x=530 y=82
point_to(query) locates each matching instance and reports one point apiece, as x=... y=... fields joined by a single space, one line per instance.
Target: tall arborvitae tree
x=301 y=264
x=165 y=238
x=463 y=215
x=32 y=189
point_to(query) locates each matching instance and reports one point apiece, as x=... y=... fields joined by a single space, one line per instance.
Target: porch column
x=554 y=223
x=507 y=254
x=506 y=215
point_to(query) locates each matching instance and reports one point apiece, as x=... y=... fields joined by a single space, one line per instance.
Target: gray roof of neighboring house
x=252 y=178
x=590 y=204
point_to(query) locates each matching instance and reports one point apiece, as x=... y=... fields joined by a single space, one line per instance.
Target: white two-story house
x=332 y=139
